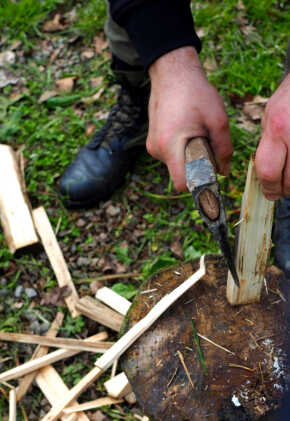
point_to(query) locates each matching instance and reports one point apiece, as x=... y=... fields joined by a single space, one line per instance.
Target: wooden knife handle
x=198 y=147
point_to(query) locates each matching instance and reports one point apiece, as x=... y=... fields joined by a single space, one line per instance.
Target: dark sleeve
x=156 y=27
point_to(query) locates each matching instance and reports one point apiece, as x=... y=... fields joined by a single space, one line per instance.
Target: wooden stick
x=92 y=405
x=55 y=257
x=39 y=352
x=254 y=243
x=14 y=210
x=117 y=387
x=100 y=313
x=104 y=362
x=52 y=357
x=110 y=277
x=12 y=405
x=52 y=386
x=113 y=300
x=67 y=343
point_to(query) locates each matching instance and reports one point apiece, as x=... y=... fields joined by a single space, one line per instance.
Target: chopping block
x=245 y=373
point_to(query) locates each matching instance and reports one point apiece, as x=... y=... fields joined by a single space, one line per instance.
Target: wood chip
x=55 y=257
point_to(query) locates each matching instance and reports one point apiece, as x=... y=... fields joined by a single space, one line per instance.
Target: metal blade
x=218 y=228
x=220 y=234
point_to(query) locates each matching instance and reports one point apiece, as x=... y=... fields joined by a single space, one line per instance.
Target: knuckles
x=278 y=121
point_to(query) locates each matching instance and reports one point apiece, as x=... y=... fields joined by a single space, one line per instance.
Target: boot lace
x=121 y=119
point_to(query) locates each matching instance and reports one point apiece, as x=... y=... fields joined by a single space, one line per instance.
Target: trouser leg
x=126 y=62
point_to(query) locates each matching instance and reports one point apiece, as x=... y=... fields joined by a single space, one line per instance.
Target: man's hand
x=183 y=105
x=273 y=153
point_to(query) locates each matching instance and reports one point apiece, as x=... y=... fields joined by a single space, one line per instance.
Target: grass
x=52 y=132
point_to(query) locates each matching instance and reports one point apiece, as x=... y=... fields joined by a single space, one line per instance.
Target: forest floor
x=56 y=89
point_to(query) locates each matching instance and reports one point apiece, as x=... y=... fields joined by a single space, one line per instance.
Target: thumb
x=269 y=166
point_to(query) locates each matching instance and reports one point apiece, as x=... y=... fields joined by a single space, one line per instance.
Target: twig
x=279 y=293
x=254 y=339
x=52 y=357
x=215 y=344
x=266 y=286
x=148 y=291
x=109 y=277
x=114 y=368
x=262 y=376
x=199 y=350
x=185 y=368
x=92 y=405
x=241 y=366
x=238 y=223
x=67 y=343
x=172 y=377
x=58 y=225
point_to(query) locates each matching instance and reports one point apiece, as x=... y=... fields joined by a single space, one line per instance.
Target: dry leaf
x=55 y=296
x=100 y=43
x=254 y=111
x=66 y=84
x=87 y=54
x=90 y=129
x=248 y=29
x=91 y=99
x=98 y=416
x=46 y=95
x=15 y=44
x=71 y=16
x=200 y=32
x=54 y=25
x=246 y=124
x=177 y=249
x=240 y=5
x=7 y=78
x=7 y=57
x=259 y=100
x=95 y=82
x=210 y=65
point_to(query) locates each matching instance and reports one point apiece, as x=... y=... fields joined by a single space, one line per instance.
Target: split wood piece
x=67 y=343
x=98 y=403
x=52 y=386
x=113 y=300
x=118 y=386
x=97 y=311
x=15 y=215
x=55 y=257
x=51 y=358
x=254 y=243
x=257 y=336
x=104 y=362
x=40 y=351
x=12 y=405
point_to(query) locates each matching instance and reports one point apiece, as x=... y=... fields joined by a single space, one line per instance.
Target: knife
x=201 y=181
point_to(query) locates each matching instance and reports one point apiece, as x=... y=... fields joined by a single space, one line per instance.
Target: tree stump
x=250 y=383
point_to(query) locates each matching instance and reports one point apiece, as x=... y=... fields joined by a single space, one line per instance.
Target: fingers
x=221 y=143
x=172 y=153
x=270 y=161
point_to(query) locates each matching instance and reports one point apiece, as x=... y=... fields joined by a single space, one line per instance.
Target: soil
x=248 y=383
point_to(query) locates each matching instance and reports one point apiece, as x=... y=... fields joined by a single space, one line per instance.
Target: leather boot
x=100 y=167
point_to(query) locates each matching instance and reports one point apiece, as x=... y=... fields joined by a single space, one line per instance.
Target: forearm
x=156 y=27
